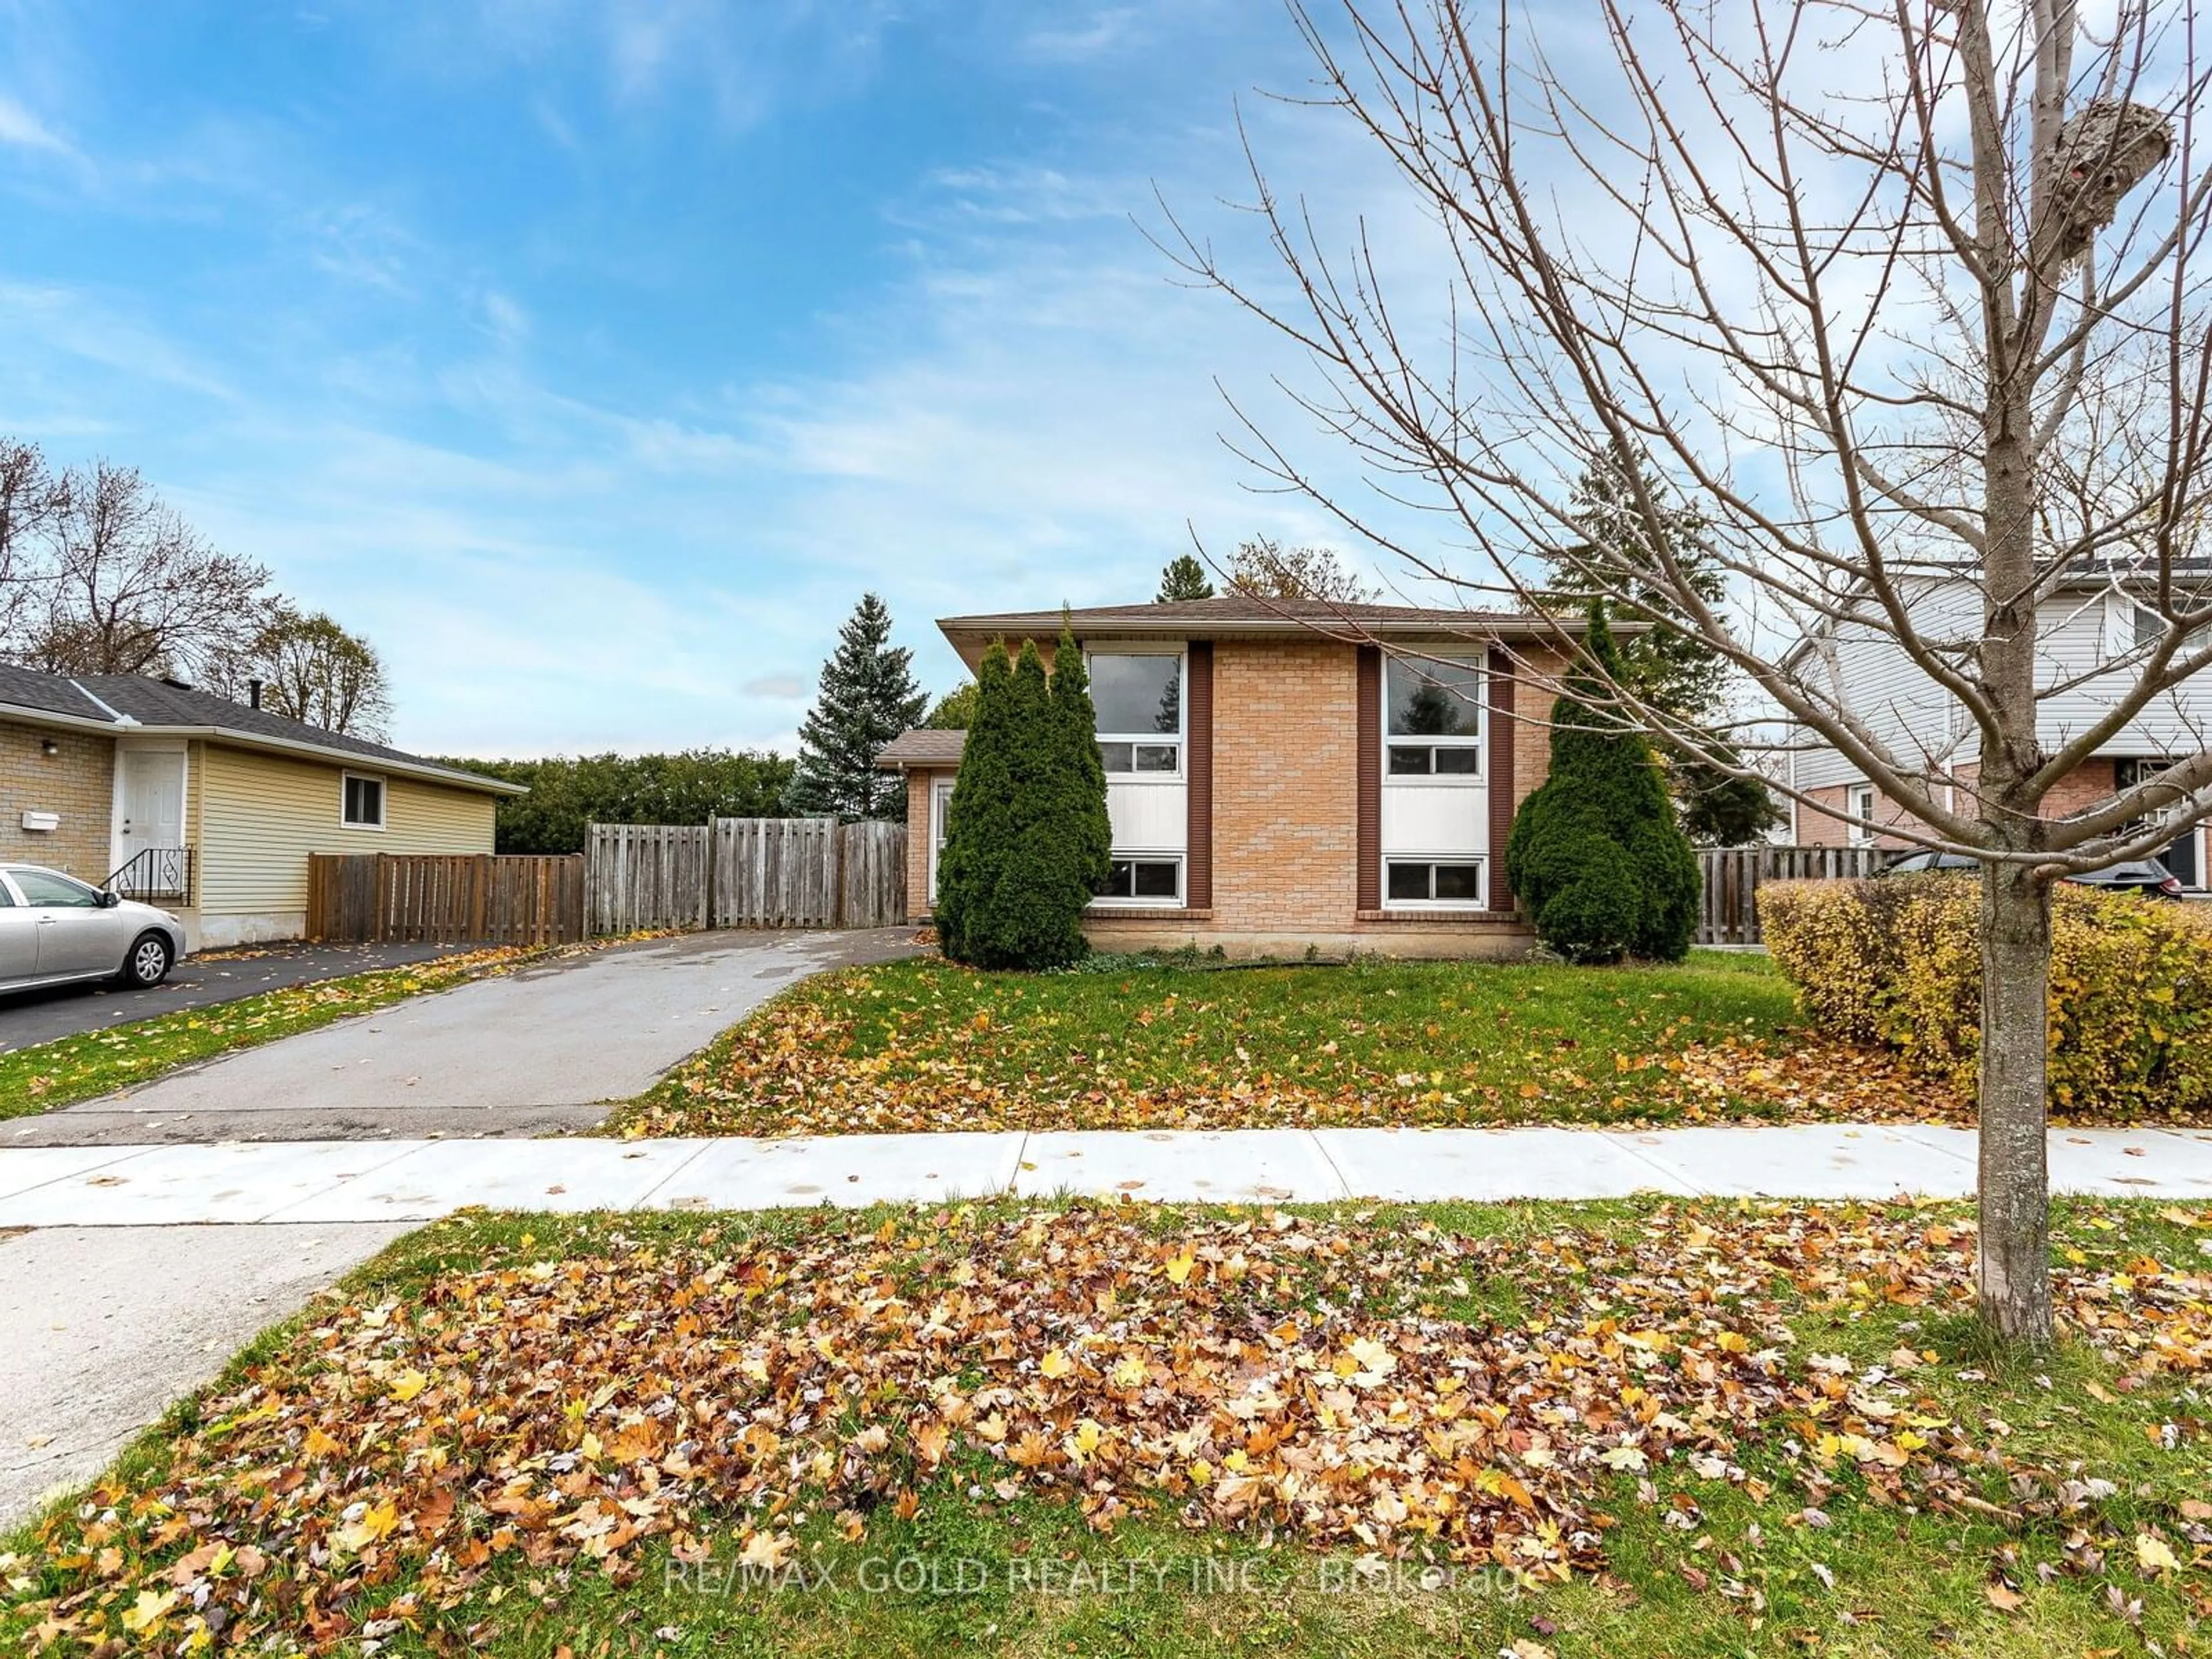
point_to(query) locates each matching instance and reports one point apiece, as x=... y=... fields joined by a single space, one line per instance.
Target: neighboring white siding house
x=2086 y=639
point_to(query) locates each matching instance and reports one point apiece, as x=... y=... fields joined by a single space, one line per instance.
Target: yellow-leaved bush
x=1894 y=962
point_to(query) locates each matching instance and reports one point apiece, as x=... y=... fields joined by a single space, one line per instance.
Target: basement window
x=364 y=803
x=1420 y=881
x=1144 y=881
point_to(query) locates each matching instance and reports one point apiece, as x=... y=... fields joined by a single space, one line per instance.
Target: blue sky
x=592 y=356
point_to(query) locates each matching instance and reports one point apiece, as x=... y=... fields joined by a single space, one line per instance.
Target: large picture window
x=1432 y=718
x=1139 y=700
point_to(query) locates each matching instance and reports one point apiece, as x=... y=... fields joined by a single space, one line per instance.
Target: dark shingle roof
x=116 y=699
x=26 y=688
x=1241 y=613
x=922 y=746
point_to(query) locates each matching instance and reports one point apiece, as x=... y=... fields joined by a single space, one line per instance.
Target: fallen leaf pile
x=841 y=1057
x=1264 y=1372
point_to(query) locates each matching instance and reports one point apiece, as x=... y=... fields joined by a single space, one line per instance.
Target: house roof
x=134 y=703
x=922 y=748
x=1231 y=616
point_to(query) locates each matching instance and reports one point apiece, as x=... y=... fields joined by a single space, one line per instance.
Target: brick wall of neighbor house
x=2090 y=782
x=78 y=782
x=918 y=786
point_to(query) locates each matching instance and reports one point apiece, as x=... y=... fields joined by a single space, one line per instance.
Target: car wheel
x=148 y=964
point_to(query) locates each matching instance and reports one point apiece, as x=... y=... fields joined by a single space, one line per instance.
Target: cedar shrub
x=1595 y=856
x=1026 y=846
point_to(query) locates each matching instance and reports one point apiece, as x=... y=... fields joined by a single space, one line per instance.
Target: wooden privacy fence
x=440 y=898
x=641 y=876
x=747 y=873
x=1733 y=874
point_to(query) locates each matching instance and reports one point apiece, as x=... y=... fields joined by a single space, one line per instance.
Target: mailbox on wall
x=42 y=823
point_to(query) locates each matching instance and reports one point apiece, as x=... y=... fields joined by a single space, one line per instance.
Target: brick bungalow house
x=208 y=807
x=1282 y=775
x=2089 y=627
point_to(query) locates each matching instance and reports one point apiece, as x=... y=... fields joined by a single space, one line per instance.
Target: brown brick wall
x=1285 y=822
x=917 y=842
x=78 y=782
x=1538 y=669
x=1285 y=815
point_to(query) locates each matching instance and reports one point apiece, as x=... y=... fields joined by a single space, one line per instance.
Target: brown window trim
x=1500 y=682
x=1368 y=887
x=1198 y=775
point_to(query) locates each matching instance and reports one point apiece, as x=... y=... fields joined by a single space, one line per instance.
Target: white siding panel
x=1880 y=683
x=1419 y=817
x=2076 y=635
x=1147 y=818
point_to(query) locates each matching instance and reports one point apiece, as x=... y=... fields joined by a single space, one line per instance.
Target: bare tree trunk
x=2015 y=1288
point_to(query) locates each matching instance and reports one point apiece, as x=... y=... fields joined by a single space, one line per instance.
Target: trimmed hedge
x=1894 y=961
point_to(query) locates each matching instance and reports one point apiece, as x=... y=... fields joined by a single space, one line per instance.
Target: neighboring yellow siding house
x=261 y=814
x=208 y=807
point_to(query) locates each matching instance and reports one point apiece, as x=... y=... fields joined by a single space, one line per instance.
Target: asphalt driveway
x=32 y=1016
x=539 y=1051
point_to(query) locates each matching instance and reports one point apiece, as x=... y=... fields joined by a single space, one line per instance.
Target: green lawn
x=1628 y=1431
x=51 y=1074
x=1137 y=1043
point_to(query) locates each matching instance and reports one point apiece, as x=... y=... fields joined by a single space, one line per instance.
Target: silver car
x=54 y=930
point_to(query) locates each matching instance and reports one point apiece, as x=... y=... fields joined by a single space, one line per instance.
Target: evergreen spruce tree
x=868 y=696
x=1184 y=578
x=1595 y=857
x=1666 y=666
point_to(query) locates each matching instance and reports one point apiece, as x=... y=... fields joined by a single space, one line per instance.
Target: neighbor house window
x=364 y=802
x=1860 y=802
x=1145 y=881
x=940 y=826
x=1432 y=718
x=2150 y=627
x=1139 y=700
x=1418 y=881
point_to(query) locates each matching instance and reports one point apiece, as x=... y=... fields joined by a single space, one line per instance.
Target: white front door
x=151 y=812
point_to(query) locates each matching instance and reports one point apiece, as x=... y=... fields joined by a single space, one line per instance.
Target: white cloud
x=18 y=126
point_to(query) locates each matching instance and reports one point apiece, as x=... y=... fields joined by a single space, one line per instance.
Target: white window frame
x=1148 y=901
x=1479 y=861
x=1179 y=741
x=1478 y=779
x=383 y=800
x=940 y=820
x=1859 y=801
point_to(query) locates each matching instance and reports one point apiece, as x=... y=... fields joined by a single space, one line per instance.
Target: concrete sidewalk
x=101 y=1331
x=333 y=1181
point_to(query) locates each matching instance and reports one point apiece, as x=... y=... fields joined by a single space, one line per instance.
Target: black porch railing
x=156 y=872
